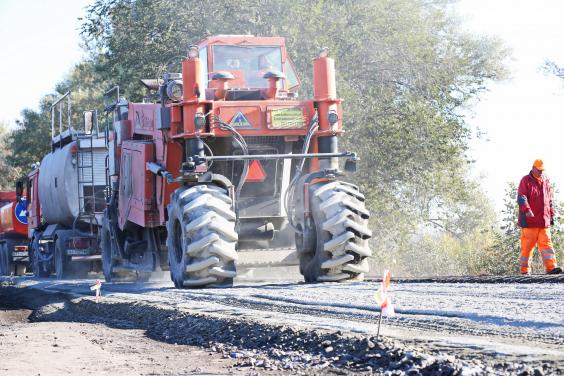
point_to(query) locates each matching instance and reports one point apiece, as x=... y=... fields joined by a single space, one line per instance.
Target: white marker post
x=97 y=287
x=383 y=300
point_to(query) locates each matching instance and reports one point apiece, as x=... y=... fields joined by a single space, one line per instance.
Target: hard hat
x=538 y=163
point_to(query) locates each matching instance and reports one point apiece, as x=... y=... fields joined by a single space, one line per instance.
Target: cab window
x=291 y=75
x=204 y=60
x=247 y=63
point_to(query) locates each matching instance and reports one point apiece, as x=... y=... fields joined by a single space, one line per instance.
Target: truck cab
x=248 y=59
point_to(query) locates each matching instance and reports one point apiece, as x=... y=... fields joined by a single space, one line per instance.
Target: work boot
x=556 y=270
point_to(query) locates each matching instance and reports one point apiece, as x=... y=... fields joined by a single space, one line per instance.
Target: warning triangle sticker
x=240 y=121
x=256 y=173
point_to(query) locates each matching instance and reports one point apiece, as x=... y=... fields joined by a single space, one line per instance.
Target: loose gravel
x=258 y=345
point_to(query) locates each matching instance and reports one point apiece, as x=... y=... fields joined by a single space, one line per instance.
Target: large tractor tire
x=335 y=247
x=201 y=238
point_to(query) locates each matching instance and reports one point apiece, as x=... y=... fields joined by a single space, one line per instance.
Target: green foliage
x=506 y=247
x=29 y=141
x=551 y=67
x=8 y=172
x=463 y=245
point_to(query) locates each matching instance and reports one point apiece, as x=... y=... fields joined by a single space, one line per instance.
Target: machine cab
x=247 y=59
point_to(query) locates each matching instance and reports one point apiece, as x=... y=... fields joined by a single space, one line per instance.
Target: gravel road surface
x=447 y=328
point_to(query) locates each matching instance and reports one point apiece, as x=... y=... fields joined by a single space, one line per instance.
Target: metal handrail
x=53 y=106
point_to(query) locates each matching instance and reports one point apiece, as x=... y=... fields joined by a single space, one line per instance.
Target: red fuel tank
x=13 y=218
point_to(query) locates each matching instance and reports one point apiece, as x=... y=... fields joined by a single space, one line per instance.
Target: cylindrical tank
x=13 y=219
x=58 y=186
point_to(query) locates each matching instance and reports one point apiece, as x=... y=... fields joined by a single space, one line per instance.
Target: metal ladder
x=85 y=170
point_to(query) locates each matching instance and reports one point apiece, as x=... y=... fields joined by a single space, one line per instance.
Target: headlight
x=332 y=117
x=199 y=120
x=174 y=90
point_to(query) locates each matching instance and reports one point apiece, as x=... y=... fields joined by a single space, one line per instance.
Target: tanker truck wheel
x=3 y=260
x=21 y=269
x=108 y=263
x=201 y=238
x=62 y=264
x=335 y=246
x=7 y=265
x=40 y=268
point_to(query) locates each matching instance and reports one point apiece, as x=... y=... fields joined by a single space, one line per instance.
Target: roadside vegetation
x=407 y=73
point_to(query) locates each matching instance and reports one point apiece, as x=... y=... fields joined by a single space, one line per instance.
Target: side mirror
x=19 y=190
x=89 y=121
x=350 y=164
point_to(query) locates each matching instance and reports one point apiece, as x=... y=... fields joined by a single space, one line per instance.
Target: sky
x=523 y=118
x=39 y=42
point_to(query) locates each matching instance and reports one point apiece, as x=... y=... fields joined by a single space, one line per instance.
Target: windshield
x=247 y=63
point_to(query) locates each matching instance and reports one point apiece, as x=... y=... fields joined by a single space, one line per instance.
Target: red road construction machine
x=14 y=256
x=225 y=160
x=66 y=197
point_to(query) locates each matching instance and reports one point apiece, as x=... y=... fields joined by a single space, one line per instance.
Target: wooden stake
x=379 y=322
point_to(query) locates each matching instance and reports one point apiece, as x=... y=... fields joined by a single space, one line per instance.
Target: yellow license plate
x=287 y=118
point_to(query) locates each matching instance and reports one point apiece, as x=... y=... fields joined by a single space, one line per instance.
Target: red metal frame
x=137 y=185
x=168 y=151
x=33 y=206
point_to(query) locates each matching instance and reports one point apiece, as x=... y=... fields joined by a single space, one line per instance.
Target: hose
x=289 y=194
x=218 y=123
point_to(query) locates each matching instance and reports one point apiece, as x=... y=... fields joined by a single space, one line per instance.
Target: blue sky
x=523 y=117
x=40 y=43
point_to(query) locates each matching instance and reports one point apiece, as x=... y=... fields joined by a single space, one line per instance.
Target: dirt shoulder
x=29 y=346
x=66 y=348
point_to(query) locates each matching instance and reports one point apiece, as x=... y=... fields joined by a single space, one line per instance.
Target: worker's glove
x=552 y=221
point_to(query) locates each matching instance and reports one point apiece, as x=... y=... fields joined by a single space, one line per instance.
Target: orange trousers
x=541 y=237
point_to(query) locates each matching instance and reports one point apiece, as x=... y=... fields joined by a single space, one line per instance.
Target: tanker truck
x=227 y=161
x=14 y=258
x=66 y=197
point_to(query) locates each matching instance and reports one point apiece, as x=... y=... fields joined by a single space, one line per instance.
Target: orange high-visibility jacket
x=535 y=195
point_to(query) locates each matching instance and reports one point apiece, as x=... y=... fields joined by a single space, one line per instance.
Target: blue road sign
x=21 y=211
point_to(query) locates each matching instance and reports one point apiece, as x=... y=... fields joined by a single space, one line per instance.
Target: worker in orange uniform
x=536 y=215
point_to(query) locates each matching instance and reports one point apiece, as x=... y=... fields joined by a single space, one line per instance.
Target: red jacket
x=536 y=196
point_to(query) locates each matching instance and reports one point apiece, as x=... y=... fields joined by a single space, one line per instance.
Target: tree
x=8 y=172
x=551 y=67
x=29 y=141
